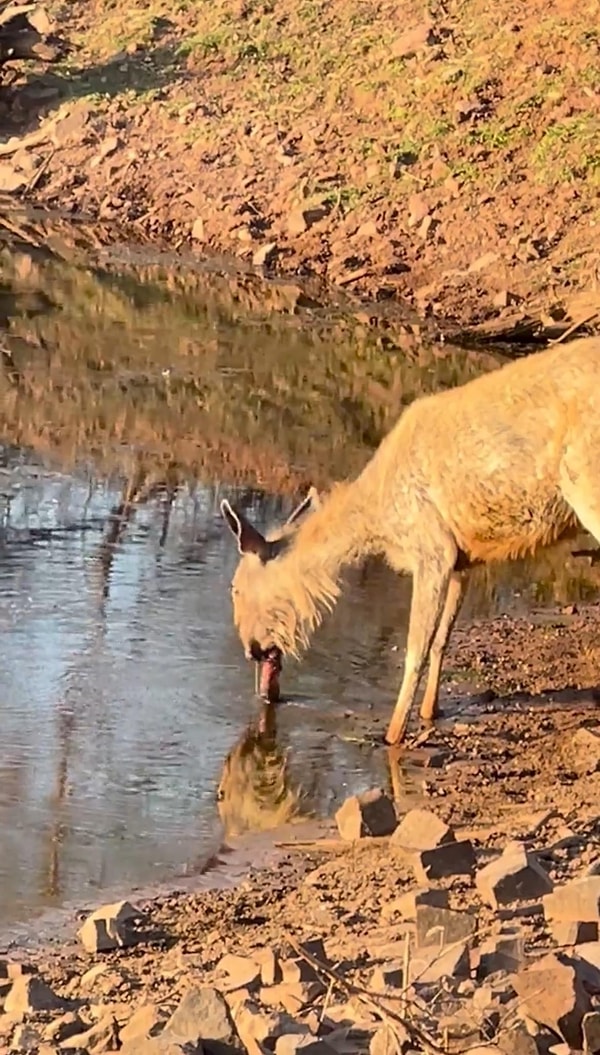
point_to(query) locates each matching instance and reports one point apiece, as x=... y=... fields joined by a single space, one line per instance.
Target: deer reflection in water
x=256 y=791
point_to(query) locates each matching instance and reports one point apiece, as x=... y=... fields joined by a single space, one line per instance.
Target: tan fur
x=490 y=470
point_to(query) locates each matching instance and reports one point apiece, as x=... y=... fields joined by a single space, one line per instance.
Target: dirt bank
x=530 y=777
x=452 y=160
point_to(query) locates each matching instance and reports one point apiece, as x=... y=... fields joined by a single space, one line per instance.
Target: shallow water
x=122 y=685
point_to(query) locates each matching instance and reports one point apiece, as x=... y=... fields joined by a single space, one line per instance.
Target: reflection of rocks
x=255 y=792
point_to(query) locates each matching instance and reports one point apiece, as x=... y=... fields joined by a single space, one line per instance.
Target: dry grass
x=239 y=111
x=534 y=75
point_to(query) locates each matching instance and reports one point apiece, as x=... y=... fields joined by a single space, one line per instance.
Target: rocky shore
x=466 y=924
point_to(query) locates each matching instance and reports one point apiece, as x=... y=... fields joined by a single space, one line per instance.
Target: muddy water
x=134 y=395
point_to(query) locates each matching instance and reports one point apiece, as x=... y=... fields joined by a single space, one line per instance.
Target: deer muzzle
x=269 y=666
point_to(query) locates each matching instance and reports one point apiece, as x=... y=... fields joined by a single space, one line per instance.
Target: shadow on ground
x=146 y=71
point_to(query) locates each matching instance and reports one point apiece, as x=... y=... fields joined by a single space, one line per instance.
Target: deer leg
x=431 y=583
x=454 y=597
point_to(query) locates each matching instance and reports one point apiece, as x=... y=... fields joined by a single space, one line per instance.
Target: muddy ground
x=449 y=159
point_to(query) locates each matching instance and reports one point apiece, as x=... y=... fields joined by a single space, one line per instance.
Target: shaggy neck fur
x=302 y=584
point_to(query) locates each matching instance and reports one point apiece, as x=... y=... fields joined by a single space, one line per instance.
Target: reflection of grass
x=232 y=400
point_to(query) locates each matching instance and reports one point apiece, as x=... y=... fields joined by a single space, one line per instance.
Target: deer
x=491 y=470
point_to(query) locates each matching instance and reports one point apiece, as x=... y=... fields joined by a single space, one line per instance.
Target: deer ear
x=312 y=500
x=249 y=539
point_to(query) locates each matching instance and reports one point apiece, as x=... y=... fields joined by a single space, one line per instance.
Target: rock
x=146 y=1021
x=30 y=993
x=202 y=1015
x=590 y=1027
x=25 y=1038
x=241 y=971
x=485 y=1049
x=110 y=145
x=233 y=997
x=567 y=932
x=270 y=971
x=291 y=996
x=443 y=925
x=514 y=876
x=27 y=161
x=103 y=1036
x=264 y=254
x=505 y=952
x=406 y=905
x=451 y=859
x=589 y=952
x=426 y=227
x=198 y=230
x=62 y=1028
x=493 y=993
x=41 y=21
x=551 y=993
x=388 y=976
x=367 y=230
x=301 y=220
x=380 y=949
x=70 y=127
x=163 y=1045
x=460 y=1032
x=88 y=978
x=121 y=911
x=483 y=262
x=575 y=902
x=369 y=814
x=256 y=1027
x=519 y=1042
x=429 y=965
x=412 y=41
x=418 y=209
x=422 y=830
x=586 y=748
x=290 y=1043
x=504 y=299
x=297 y=971
x=386 y=1041
x=11 y=179
x=109 y=927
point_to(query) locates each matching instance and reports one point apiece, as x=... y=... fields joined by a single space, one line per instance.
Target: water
x=133 y=398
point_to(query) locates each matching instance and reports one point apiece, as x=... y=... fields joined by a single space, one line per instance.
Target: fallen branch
x=35 y=179
x=24 y=142
x=583 y=321
x=390 y=1018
